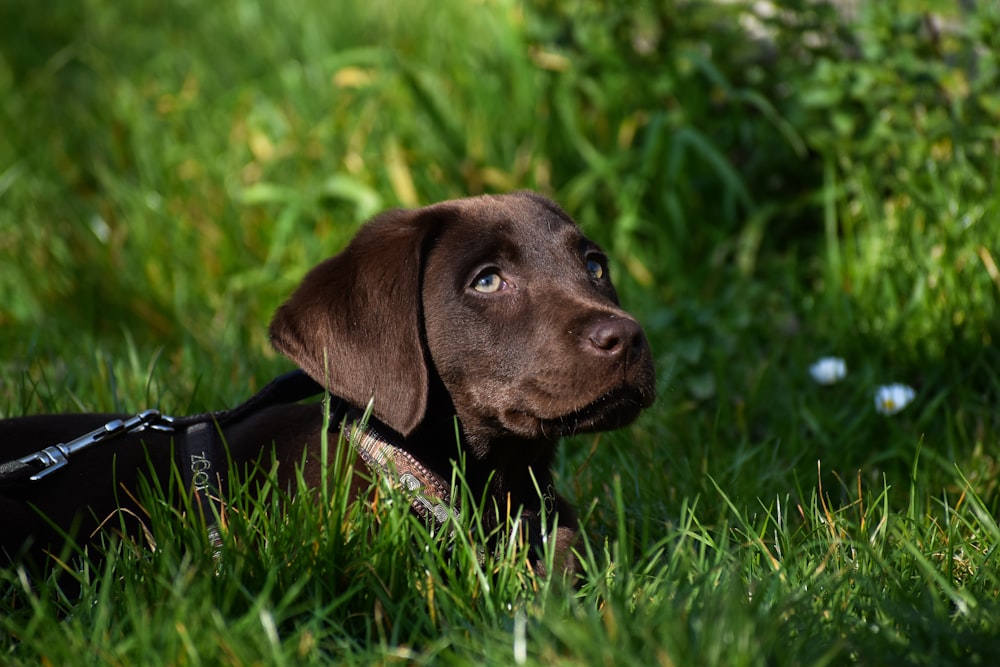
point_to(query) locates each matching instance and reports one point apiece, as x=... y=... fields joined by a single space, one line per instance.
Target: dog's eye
x=595 y=269
x=488 y=282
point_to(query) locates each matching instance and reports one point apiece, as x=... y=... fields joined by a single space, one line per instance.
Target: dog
x=494 y=312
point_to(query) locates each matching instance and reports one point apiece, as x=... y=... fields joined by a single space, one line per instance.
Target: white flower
x=828 y=370
x=891 y=398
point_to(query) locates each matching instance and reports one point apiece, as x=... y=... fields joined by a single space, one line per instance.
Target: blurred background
x=775 y=181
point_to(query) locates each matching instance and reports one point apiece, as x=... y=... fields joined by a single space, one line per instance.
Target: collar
x=429 y=493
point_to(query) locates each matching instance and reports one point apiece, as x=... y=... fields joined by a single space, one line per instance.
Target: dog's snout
x=615 y=336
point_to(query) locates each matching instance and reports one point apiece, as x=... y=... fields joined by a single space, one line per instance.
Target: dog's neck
x=510 y=470
x=504 y=468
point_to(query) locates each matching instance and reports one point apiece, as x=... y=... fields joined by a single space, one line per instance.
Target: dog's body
x=494 y=310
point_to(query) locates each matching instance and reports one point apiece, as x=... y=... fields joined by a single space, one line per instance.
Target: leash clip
x=54 y=457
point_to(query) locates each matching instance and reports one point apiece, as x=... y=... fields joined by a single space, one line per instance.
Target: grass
x=169 y=171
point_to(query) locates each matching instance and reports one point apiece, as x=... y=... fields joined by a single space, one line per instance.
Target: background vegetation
x=775 y=183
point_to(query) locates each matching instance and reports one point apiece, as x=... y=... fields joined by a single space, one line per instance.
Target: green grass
x=169 y=171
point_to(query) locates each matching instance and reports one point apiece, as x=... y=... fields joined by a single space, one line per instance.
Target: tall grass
x=772 y=188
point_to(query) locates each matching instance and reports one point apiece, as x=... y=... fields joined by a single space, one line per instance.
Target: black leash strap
x=198 y=440
x=39 y=465
x=199 y=447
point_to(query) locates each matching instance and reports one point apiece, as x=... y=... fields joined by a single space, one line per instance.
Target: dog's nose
x=614 y=336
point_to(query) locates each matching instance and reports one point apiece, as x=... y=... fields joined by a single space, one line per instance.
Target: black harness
x=202 y=453
x=197 y=438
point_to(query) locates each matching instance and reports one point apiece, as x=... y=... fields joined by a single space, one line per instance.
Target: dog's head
x=501 y=297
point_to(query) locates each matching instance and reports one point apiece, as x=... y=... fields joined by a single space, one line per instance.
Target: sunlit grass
x=168 y=173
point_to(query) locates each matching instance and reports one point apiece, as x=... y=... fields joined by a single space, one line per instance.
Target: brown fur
x=397 y=317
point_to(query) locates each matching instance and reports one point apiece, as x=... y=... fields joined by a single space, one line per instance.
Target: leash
x=202 y=453
x=198 y=438
x=39 y=465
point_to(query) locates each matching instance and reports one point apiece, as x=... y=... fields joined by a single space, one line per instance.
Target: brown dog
x=494 y=309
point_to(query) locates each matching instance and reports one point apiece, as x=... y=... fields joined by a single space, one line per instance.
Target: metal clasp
x=54 y=457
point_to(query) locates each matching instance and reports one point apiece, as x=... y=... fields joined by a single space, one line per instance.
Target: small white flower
x=828 y=370
x=891 y=398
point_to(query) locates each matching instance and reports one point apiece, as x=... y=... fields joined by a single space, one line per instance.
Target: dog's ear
x=355 y=323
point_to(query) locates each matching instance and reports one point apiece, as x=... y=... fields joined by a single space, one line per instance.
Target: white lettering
x=200 y=467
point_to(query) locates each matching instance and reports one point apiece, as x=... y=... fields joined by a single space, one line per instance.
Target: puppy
x=492 y=312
